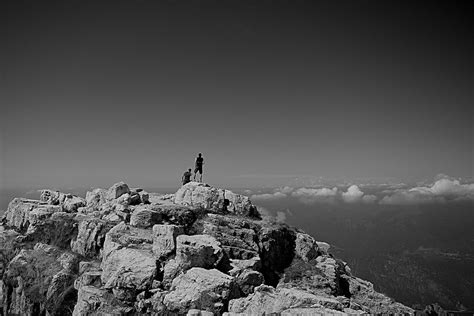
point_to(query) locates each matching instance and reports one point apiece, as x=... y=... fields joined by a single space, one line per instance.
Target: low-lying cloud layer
x=444 y=189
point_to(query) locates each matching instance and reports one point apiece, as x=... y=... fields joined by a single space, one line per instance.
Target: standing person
x=198 y=168
x=186 y=177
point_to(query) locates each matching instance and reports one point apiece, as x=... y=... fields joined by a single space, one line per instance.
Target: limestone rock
x=40 y=222
x=117 y=190
x=193 y=251
x=96 y=197
x=72 y=203
x=164 y=239
x=363 y=294
x=239 y=238
x=247 y=280
x=240 y=265
x=198 y=251
x=161 y=199
x=151 y=305
x=69 y=202
x=145 y=216
x=52 y=197
x=201 y=195
x=97 y=301
x=200 y=289
x=128 y=263
x=305 y=246
x=41 y=280
x=91 y=236
x=321 y=275
x=18 y=212
x=267 y=300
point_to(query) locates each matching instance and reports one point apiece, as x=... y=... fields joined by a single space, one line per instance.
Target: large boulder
x=69 y=202
x=201 y=195
x=91 y=235
x=41 y=222
x=128 y=263
x=193 y=251
x=96 y=197
x=305 y=247
x=164 y=239
x=200 y=289
x=145 y=216
x=97 y=301
x=57 y=230
x=18 y=212
x=198 y=251
x=238 y=236
x=266 y=300
x=247 y=280
x=72 y=203
x=117 y=190
x=40 y=281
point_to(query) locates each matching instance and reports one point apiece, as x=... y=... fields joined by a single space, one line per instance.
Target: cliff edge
x=200 y=251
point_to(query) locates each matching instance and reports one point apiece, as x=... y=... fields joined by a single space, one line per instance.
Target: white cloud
x=369 y=198
x=280 y=216
x=268 y=196
x=444 y=189
x=286 y=190
x=353 y=194
x=310 y=195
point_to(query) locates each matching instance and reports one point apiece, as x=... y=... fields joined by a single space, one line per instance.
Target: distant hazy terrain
x=416 y=254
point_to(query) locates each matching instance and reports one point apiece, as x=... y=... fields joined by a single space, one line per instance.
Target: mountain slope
x=201 y=250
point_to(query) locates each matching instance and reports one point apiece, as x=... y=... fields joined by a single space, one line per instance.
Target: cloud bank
x=317 y=195
x=444 y=189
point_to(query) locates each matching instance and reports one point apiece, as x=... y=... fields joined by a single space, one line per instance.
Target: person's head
x=189 y=169
x=199 y=155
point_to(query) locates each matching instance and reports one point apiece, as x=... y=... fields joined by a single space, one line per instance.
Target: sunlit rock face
x=200 y=251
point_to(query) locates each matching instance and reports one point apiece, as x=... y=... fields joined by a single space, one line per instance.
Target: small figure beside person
x=186 y=177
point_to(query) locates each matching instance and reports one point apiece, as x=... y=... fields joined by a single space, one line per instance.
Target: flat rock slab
x=200 y=289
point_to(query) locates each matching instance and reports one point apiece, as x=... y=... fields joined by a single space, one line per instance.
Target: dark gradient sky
x=92 y=93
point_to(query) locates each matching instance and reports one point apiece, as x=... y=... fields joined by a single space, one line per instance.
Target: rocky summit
x=200 y=251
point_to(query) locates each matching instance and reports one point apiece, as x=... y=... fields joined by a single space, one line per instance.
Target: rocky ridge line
x=200 y=251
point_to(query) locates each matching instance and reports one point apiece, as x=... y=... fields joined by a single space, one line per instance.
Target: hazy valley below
x=416 y=254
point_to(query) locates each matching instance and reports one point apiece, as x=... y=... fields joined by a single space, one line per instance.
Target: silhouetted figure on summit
x=186 y=177
x=198 y=168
